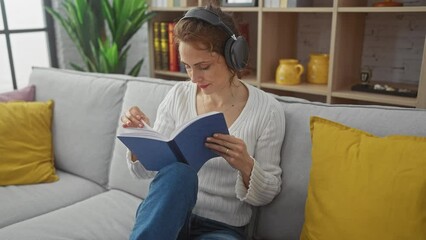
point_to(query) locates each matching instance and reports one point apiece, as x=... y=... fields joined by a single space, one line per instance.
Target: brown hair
x=203 y=34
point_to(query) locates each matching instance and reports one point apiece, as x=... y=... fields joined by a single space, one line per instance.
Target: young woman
x=217 y=202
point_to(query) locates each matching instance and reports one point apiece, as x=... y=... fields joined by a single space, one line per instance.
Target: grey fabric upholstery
x=147 y=95
x=18 y=203
x=96 y=197
x=108 y=215
x=85 y=118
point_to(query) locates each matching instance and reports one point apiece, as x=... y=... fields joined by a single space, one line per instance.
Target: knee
x=178 y=176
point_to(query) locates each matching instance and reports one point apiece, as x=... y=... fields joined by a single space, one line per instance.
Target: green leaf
x=136 y=69
x=102 y=53
x=76 y=67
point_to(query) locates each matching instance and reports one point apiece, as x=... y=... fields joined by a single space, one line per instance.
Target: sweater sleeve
x=265 y=179
x=137 y=170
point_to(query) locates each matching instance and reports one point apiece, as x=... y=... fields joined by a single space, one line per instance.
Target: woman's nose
x=195 y=76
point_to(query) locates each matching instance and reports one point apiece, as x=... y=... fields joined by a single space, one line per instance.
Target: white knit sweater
x=222 y=195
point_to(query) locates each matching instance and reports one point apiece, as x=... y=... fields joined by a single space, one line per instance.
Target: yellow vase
x=288 y=72
x=318 y=68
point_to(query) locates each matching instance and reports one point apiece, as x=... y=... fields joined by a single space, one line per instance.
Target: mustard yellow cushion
x=26 y=153
x=363 y=186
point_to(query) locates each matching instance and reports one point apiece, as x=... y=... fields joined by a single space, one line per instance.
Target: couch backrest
x=147 y=93
x=284 y=217
x=86 y=109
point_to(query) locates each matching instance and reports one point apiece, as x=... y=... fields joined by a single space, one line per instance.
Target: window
x=26 y=40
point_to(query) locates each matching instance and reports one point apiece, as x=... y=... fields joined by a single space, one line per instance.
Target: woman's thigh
x=207 y=229
x=219 y=235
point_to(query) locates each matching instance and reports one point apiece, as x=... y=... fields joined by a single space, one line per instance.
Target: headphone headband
x=236 y=48
x=209 y=17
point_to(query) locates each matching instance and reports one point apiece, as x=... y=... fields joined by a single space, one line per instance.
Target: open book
x=186 y=144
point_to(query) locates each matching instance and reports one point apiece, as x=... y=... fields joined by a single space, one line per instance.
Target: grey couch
x=96 y=198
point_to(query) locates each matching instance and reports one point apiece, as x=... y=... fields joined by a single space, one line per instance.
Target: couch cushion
x=284 y=217
x=26 y=143
x=109 y=215
x=147 y=94
x=87 y=107
x=26 y=201
x=365 y=187
x=24 y=94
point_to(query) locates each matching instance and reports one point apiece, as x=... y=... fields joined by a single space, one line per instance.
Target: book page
x=146 y=132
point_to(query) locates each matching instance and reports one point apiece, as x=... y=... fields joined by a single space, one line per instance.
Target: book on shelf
x=295 y=3
x=157 y=46
x=173 y=51
x=164 y=43
x=186 y=144
x=287 y=3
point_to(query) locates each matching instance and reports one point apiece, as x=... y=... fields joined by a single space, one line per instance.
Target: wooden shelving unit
x=273 y=36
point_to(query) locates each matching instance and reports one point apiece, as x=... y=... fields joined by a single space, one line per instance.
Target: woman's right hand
x=134 y=117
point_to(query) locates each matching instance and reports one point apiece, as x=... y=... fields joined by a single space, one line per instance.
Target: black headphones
x=236 y=50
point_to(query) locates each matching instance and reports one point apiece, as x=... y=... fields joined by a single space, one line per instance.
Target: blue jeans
x=166 y=213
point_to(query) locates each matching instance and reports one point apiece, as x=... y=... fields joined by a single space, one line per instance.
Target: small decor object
x=295 y=3
x=387 y=3
x=365 y=76
x=288 y=72
x=318 y=68
x=385 y=89
x=239 y=3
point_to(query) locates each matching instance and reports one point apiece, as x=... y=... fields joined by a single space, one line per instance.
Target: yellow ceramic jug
x=318 y=69
x=288 y=72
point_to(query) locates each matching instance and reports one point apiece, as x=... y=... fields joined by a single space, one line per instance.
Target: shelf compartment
x=381 y=9
x=290 y=40
x=240 y=9
x=375 y=98
x=300 y=10
x=177 y=75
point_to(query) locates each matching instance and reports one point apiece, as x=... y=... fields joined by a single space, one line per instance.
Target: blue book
x=185 y=145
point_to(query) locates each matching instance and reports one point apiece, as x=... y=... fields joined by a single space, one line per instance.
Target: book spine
x=283 y=3
x=164 y=42
x=173 y=57
x=175 y=149
x=157 y=46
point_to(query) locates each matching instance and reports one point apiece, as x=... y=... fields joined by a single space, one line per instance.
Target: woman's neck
x=225 y=100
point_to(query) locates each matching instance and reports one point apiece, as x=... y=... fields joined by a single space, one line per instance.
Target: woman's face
x=206 y=69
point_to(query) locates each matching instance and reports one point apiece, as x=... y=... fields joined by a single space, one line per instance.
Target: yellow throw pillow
x=363 y=186
x=26 y=153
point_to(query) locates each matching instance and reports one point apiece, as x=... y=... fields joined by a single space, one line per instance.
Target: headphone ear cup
x=236 y=53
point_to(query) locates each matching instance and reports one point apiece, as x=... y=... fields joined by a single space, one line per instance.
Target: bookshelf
x=274 y=33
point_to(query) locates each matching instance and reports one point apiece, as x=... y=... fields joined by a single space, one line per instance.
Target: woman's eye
x=205 y=67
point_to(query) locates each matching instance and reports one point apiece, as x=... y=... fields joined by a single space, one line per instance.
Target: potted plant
x=102 y=39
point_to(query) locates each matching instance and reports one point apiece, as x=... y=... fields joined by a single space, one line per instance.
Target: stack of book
x=166 y=53
x=287 y=3
x=173 y=3
x=165 y=50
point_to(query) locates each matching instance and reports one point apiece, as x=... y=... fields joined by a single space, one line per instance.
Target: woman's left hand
x=234 y=151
